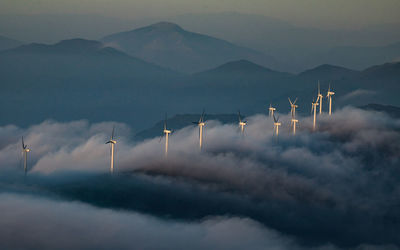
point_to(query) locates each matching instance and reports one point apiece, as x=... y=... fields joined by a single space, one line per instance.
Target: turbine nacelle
x=166 y=131
x=271 y=110
x=293 y=107
x=111 y=141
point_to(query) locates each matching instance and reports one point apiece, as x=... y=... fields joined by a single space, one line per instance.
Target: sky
x=327 y=13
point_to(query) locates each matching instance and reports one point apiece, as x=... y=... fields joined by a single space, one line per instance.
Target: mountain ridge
x=169 y=45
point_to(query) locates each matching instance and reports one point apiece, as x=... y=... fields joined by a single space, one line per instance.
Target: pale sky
x=317 y=13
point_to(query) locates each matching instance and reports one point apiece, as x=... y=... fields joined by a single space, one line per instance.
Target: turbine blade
x=290 y=101
x=202 y=116
x=112 y=134
x=295 y=101
x=319 y=92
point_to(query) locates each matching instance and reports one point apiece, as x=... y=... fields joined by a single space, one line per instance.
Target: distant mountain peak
x=242 y=65
x=329 y=67
x=328 y=72
x=166 y=26
x=79 y=42
x=71 y=46
x=170 y=46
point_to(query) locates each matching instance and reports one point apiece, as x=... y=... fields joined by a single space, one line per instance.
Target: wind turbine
x=241 y=123
x=276 y=125
x=294 y=123
x=112 y=143
x=166 y=134
x=293 y=107
x=320 y=96
x=271 y=110
x=329 y=96
x=25 y=151
x=314 y=108
x=201 y=124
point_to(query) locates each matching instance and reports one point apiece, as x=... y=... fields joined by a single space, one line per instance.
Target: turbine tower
x=329 y=96
x=294 y=123
x=276 y=125
x=241 y=124
x=293 y=107
x=320 y=96
x=201 y=124
x=25 y=151
x=271 y=110
x=166 y=134
x=112 y=143
x=314 y=108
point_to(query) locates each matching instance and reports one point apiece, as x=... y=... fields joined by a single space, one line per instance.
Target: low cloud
x=37 y=223
x=340 y=180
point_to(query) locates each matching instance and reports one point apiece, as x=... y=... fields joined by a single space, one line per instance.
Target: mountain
x=8 y=43
x=77 y=79
x=170 y=46
x=183 y=120
x=328 y=73
x=389 y=71
x=299 y=46
x=83 y=79
x=241 y=85
x=361 y=57
x=237 y=73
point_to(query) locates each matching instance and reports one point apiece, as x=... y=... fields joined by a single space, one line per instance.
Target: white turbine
x=293 y=107
x=314 y=108
x=276 y=125
x=25 y=151
x=242 y=124
x=294 y=123
x=320 y=96
x=112 y=142
x=201 y=124
x=271 y=110
x=329 y=96
x=166 y=133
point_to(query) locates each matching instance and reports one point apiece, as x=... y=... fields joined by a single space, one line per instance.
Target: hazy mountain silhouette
x=361 y=57
x=389 y=71
x=8 y=43
x=300 y=47
x=170 y=46
x=81 y=79
x=328 y=72
x=75 y=79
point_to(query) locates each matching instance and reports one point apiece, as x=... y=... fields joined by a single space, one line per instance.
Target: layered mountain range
x=115 y=80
